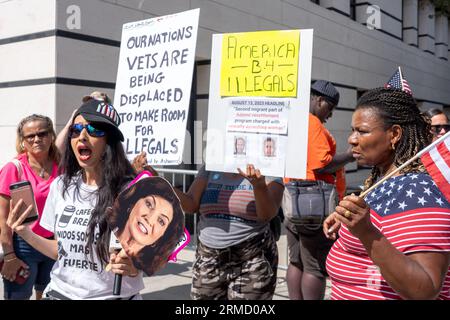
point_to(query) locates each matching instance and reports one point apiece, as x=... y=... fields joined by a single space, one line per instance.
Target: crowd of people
x=394 y=243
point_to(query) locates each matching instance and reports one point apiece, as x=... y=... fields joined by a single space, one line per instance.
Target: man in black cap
x=307 y=202
x=324 y=98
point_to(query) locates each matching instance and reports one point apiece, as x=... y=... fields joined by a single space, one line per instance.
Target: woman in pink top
x=38 y=163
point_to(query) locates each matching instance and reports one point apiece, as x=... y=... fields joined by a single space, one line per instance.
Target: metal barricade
x=178 y=178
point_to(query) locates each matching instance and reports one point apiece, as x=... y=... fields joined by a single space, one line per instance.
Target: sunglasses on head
x=75 y=130
x=438 y=128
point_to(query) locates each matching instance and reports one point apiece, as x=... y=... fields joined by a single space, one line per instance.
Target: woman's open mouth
x=84 y=152
x=142 y=228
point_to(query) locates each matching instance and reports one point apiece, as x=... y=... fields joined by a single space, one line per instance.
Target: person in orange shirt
x=308 y=246
x=341 y=183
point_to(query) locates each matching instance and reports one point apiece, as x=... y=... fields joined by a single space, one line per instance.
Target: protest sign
x=260 y=64
x=153 y=85
x=259 y=102
x=148 y=222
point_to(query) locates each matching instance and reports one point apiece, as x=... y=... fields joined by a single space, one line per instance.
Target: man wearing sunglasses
x=439 y=122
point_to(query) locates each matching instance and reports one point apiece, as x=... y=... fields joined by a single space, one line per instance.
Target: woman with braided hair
x=395 y=243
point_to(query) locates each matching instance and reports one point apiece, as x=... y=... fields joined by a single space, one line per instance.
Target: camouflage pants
x=247 y=271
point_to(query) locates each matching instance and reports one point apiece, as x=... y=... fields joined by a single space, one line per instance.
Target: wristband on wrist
x=8 y=253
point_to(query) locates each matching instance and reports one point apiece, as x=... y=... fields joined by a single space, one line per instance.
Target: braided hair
x=394 y=106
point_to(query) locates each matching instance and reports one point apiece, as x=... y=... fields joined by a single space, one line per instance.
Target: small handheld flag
x=398 y=82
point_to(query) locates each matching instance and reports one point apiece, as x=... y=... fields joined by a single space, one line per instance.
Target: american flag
x=436 y=159
x=409 y=192
x=222 y=203
x=398 y=82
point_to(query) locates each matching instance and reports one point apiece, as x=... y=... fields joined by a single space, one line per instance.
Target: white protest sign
x=257 y=116
x=259 y=102
x=153 y=85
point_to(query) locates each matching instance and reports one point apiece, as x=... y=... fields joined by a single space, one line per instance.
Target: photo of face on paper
x=269 y=147
x=240 y=144
x=148 y=221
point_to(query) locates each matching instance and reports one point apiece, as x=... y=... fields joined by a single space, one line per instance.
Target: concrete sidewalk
x=174 y=281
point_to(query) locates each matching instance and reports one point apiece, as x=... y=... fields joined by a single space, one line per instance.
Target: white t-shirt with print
x=74 y=275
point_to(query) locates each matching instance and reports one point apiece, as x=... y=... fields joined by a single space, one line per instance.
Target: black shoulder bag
x=308 y=203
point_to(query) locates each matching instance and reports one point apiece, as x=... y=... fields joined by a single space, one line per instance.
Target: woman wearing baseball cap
x=95 y=95
x=93 y=170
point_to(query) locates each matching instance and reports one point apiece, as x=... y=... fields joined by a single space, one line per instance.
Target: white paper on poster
x=153 y=85
x=291 y=143
x=258 y=115
x=263 y=150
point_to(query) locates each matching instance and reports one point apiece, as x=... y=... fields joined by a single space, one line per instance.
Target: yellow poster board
x=260 y=64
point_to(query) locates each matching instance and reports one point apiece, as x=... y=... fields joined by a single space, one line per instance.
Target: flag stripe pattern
x=405 y=86
x=411 y=212
x=398 y=82
x=437 y=162
x=109 y=111
x=223 y=200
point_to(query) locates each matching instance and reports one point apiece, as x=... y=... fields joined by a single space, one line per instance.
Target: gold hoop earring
x=393 y=146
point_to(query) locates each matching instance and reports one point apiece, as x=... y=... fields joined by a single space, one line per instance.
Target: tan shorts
x=308 y=251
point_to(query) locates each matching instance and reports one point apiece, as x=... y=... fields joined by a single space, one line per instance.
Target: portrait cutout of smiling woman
x=148 y=221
